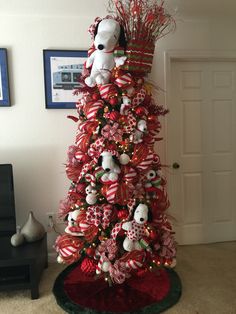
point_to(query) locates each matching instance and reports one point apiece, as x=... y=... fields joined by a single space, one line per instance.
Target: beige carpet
x=208 y=274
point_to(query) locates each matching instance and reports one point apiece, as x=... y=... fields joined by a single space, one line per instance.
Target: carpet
x=207 y=272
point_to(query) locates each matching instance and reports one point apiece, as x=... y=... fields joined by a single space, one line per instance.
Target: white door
x=201 y=139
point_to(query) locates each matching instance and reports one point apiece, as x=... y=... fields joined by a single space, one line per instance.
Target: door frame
x=185 y=56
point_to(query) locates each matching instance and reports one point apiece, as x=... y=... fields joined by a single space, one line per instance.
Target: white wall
x=34 y=139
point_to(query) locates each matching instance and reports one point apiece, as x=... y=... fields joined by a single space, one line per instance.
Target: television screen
x=7 y=203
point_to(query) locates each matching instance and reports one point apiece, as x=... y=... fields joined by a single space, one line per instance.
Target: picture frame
x=4 y=79
x=62 y=69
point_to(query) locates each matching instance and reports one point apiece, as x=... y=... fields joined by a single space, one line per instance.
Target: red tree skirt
x=151 y=293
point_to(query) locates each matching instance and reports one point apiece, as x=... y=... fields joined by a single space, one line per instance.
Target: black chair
x=7 y=201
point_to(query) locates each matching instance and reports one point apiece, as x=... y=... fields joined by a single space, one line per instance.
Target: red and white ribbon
x=83 y=140
x=84 y=226
x=99 y=215
x=116 y=230
x=146 y=163
x=139 y=97
x=129 y=174
x=91 y=108
x=107 y=91
x=88 y=126
x=79 y=155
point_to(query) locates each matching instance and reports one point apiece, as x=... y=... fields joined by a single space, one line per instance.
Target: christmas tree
x=117 y=224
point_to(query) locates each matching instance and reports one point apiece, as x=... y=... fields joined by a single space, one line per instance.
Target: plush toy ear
x=149 y=216
x=116 y=160
x=96 y=29
x=100 y=161
x=122 y=40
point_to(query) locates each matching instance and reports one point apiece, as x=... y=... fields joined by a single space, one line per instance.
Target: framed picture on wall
x=62 y=70
x=4 y=79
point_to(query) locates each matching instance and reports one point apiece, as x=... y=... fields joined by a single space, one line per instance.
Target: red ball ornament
x=88 y=266
x=95 y=96
x=104 y=190
x=152 y=118
x=90 y=251
x=114 y=115
x=113 y=101
x=153 y=235
x=140 y=111
x=80 y=188
x=123 y=214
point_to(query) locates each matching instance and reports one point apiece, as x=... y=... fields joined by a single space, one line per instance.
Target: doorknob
x=175 y=165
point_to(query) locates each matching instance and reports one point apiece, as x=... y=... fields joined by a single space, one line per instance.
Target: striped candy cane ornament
x=91 y=179
x=133 y=265
x=111 y=192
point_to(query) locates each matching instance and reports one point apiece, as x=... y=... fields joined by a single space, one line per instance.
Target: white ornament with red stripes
x=123 y=81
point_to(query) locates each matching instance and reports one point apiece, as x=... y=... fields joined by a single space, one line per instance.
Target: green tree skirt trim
x=72 y=308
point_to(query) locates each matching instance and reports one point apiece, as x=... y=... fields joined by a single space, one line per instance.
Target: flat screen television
x=7 y=201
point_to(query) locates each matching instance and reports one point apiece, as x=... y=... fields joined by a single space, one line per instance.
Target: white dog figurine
x=102 y=59
x=136 y=229
x=72 y=226
x=125 y=106
x=109 y=164
x=141 y=128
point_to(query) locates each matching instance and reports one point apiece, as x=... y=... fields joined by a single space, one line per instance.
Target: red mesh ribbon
x=68 y=247
x=88 y=126
x=82 y=141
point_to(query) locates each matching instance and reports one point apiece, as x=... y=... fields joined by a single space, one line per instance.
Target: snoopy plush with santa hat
x=107 y=36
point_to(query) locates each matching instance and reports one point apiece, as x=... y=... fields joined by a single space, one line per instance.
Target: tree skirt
x=151 y=293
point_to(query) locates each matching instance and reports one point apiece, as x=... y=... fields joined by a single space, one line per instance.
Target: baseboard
x=52 y=257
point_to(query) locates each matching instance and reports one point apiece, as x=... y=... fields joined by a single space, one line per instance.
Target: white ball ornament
x=105 y=266
x=174 y=263
x=124 y=159
x=59 y=259
x=91 y=199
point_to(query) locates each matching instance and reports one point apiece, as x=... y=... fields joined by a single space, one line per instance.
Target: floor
x=208 y=274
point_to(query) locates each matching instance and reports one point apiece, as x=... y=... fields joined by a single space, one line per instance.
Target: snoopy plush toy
x=109 y=164
x=136 y=228
x=108 y=35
